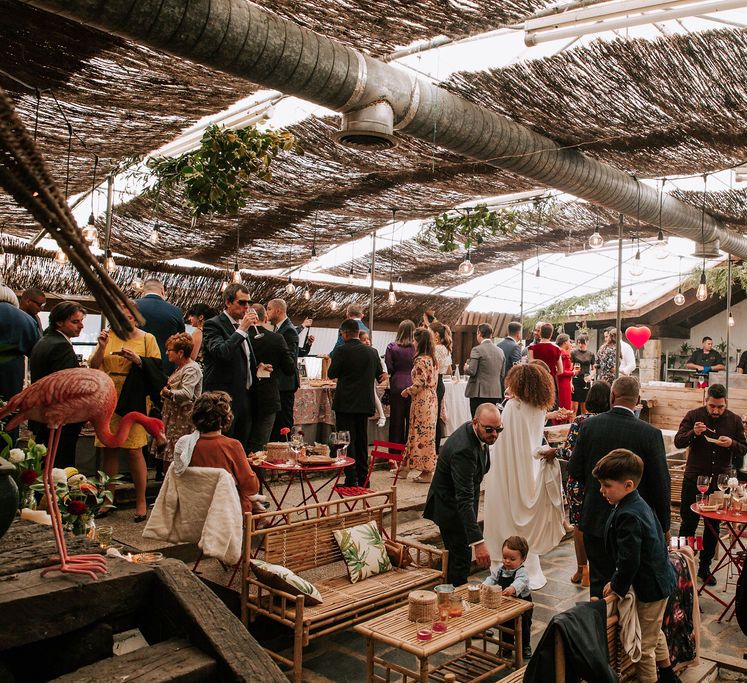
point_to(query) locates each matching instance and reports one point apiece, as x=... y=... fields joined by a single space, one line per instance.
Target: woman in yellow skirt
x=115 y=357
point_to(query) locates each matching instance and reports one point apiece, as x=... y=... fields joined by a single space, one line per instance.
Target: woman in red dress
x=546 y=351
x=565 y=377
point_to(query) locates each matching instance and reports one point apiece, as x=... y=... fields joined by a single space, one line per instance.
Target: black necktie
x=486 y=451
x=235 y=326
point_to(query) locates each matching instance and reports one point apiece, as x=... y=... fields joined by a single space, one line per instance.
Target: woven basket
x=491 y=596
x=421 y=605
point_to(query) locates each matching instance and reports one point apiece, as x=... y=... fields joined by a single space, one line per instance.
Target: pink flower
x=76 y=507
x=284 y=431
x=28 y=477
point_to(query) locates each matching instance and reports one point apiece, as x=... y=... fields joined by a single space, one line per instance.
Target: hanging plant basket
x=216 y=177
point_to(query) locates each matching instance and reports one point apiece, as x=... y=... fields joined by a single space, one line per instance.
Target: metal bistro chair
x=382 y=450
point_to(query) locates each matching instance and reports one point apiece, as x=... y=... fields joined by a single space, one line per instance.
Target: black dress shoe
x=139 y=518
x=707 y=579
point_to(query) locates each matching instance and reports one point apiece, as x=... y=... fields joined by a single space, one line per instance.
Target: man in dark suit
x=273 y=357
x=162 y=319
x=356 y=367
x=288 y=382
x=617 y=428
x=454 y=494
x=229 y=358
x=53 y=352
x=510 y=346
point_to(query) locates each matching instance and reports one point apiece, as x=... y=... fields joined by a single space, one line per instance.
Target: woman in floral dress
x=420 y=450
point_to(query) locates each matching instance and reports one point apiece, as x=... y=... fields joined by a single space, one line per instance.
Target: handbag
x=386 y=397
x=399 y=555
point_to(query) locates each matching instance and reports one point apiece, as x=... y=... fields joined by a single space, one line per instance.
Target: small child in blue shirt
x=513 y=578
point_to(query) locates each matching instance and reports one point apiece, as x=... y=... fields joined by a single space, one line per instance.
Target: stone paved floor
x=341 y=657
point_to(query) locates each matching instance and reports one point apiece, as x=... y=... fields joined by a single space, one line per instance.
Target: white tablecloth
x=457 y=406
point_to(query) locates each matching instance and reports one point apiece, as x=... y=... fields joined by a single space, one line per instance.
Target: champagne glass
x=722 y=482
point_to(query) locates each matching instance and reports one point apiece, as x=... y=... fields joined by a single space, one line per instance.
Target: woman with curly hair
x=523 y=490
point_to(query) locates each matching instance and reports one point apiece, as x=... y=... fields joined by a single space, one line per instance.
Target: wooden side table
x=475 y=664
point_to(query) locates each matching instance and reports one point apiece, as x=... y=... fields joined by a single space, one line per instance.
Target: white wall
x=325 y=338
x=715 y=327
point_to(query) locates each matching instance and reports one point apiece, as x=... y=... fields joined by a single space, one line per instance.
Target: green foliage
x=451 y=230
x=215 y=178
x=556 y=313
x=716 y=278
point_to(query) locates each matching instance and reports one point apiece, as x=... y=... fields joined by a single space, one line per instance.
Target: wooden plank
x=208 y=623
x=725 y=661
x=173 y=661
x=63 y=603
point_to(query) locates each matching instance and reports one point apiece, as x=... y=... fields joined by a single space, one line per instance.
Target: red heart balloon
x=638 y=335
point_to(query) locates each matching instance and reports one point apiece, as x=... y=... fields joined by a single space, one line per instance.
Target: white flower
x=40 y=449
x=16 y=455
x=58 y=476
x=76 y=480
x=732 y=483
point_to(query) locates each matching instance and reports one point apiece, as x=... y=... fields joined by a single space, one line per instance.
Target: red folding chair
x=382 y=450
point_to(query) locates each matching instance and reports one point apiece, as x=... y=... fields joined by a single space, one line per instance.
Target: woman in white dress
x=523 y=495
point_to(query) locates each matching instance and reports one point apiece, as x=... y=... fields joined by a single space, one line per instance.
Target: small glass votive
x=699 y=500
x=473 y=592
x=456 y=608
x=441 y=625
x=104 y=535
x=424 y=628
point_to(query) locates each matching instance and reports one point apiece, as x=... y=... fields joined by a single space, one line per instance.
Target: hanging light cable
x=679 y=298
x=313 y=264
x=466 y=267
x=702 y=292
x=660 y=248
x=351 y=272
x=392 y=296
x=61 y=257
x=155 y=234
x=290 y=288
x=90 y=234
x=636 y=267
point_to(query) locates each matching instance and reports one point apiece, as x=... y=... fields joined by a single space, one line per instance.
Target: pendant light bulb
x=236 y=275
x=702 y=292
x=351 y=276
x=660 y=248
x=90 y=234
x=154 y=236
x=223 y=286
x=596 y=240
x=636 y=267
x=109 y=263
x=60 y=258
x=290 y=288
x=137 y=284
x=466 y=267
x=306 y=294
x=392 y=298
x=333 y=305
x=631 y=300
x=679 y=298
x=731 y=321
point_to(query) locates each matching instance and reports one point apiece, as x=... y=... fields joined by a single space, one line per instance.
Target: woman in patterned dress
x=116 y=357
x=179 y=394
x=420 y=450
x=597 y=401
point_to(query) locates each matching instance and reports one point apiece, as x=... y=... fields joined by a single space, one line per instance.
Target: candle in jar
x=439 y=626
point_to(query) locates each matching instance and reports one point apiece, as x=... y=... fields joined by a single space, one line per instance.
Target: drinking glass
x=424 y=628
x=699 y=500
x=343 y=438
x=104 y=536
x=723 y=483
x=704 y=483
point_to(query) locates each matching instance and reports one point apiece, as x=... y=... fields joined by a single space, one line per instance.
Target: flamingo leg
x=77 y=564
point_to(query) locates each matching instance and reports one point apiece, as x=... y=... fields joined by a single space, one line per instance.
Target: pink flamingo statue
x=65 y=397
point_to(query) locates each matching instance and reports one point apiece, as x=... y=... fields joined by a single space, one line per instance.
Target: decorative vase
x=27 y=500
x=8 y=495
x=82 y=526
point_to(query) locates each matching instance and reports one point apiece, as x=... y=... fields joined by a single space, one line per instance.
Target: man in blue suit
x=288 y=383
x=162 y=319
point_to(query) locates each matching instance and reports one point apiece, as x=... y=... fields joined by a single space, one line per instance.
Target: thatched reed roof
x=729 y=206
x=671 y=106
x=25 y=266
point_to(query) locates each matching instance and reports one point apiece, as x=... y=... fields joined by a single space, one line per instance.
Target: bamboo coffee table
x=475 y=664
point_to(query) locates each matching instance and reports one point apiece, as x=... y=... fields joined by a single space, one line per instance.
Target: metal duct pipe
x=248 y=41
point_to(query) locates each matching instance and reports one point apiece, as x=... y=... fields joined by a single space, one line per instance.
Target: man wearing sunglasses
x=455 y=491
x=229 y=357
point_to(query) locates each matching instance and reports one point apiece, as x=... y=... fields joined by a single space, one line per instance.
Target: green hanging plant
x=716 y=278
x=557 y=312
x=215 y=177
x=450 y=231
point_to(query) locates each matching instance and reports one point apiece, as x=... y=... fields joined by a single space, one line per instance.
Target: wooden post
x=373 y=286
x=728 y=320
x=618 y=319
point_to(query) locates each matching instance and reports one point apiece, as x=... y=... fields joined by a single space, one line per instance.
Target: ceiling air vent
x=707 y=250
x=370 y=128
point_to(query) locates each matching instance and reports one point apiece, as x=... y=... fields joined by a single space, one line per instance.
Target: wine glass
x=257 y=333
x=704 y=483
x=723 y=483
x=296 y=444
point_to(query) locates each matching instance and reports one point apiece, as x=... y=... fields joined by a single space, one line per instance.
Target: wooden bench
x=306 y=542
x=619 y=661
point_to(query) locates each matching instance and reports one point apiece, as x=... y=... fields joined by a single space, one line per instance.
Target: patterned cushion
x=363 y=550
x=282 y=578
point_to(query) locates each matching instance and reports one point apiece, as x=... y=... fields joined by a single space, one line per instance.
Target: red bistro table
x=309 y=491
x=734 y=522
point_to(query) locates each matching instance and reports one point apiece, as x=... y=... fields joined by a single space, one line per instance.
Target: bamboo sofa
x=304 y=541
x=619 y=661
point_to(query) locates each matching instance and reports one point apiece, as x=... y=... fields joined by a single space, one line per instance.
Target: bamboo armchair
x=305 y=541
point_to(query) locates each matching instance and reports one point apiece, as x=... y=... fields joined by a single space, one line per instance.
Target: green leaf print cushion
x=282 y=578
x=363 y=550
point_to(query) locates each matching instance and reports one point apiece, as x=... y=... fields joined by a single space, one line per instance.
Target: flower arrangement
x=28 y=462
